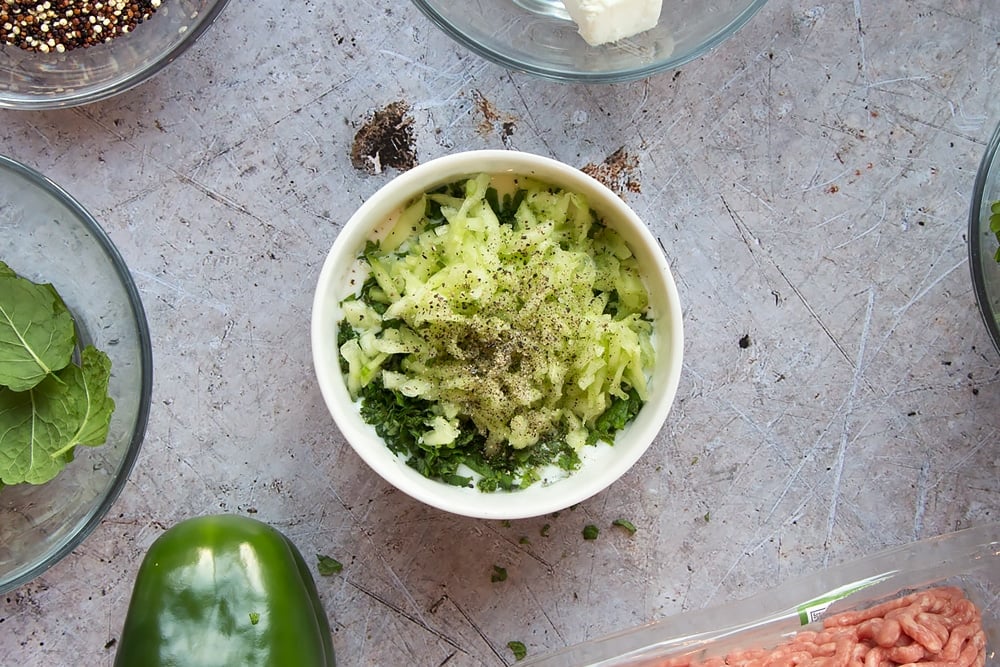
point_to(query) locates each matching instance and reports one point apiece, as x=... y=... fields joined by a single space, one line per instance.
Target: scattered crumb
x=617 y=172
x=493 y=121
x=385 y=140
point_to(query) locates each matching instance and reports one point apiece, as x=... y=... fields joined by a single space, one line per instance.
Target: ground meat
x=938 y=627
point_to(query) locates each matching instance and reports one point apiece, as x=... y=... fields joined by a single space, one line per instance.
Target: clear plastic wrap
x=968 y=560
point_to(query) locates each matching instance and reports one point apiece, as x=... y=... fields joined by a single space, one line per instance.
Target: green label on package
x=812 y=611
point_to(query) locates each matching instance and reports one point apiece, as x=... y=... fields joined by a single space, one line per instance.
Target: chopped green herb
x=995 y=225
x=544 y=530
x=518 y=649
x=254 y=618
x=619 y=413
x=49 y=404
x=499 y=574
x=505 y=523
x=590 y=532
x=524 y=540
x=707 y=517
x=626 y=524
x=328 y=566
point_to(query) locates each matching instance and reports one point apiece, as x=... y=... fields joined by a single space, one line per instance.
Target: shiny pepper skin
x=222 y=591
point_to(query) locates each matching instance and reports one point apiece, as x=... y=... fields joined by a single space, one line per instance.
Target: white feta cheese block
x=603 y=21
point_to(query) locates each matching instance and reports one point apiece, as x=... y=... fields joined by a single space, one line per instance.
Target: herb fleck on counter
x=626 y=524
x=518 y=649
x=328 y=566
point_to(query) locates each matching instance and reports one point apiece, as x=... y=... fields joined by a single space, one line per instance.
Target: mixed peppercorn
x=49 y=26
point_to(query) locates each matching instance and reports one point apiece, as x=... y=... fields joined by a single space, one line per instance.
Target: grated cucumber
x=513 y=323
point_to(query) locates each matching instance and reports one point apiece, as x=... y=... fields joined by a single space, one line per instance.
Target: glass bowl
x=602 y=464
x=538 y=36
x=49 y=237
x=982 y=242
x=33 y=80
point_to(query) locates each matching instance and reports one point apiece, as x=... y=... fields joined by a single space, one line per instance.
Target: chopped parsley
x=328 y=566
x=995 y=225
x=590 y=532
x=518 y=649
x=626 y=524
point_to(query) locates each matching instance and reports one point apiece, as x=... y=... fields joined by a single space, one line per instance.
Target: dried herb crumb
x=385 y=140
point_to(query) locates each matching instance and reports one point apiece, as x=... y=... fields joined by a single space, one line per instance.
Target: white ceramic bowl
x=602 y=464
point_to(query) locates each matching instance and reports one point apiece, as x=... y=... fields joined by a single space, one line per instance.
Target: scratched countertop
x=810 y=182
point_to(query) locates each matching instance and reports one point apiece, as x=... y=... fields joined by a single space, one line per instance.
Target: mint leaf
x=37 y=336
x=40 y=427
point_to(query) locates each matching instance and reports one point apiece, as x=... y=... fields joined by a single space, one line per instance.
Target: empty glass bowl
x=538 y=36
x=33 y=80
x=49 y=238
x=983 y=242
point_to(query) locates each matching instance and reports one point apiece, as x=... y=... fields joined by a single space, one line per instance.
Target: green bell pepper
x=224 y=591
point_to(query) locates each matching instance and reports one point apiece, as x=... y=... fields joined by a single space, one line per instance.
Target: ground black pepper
x=55 y=26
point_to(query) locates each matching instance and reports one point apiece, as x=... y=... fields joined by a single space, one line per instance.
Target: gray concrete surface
x=810 y=181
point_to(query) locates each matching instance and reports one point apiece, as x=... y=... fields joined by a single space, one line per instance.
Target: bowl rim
x=621 y=75
x=120 y=84
x=94 y=518
x=976 y=255
x=534 y=500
